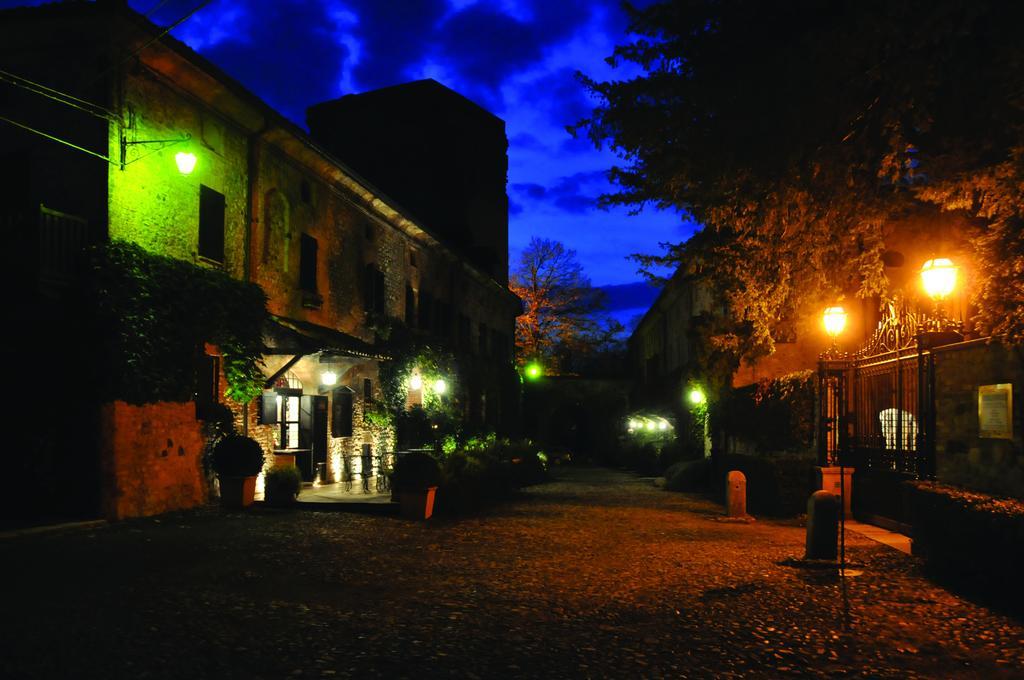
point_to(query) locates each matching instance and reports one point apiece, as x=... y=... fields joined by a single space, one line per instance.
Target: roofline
x=270 y=115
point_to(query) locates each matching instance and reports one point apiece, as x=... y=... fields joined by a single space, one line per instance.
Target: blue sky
x=517 y=58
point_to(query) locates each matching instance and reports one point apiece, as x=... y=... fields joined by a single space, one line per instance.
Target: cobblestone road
x=597 y=574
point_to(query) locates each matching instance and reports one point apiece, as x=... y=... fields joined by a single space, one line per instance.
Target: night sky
x=516 y=58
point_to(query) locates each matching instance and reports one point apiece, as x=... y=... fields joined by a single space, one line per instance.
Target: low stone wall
x=962 y=456
x=150 y=459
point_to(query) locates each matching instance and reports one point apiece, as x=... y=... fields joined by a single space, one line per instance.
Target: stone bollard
x=822 y=525
x=736 y=494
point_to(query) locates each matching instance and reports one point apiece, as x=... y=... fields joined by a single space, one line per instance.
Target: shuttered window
x=307 y=263
x=341 y=413
x=211 y=224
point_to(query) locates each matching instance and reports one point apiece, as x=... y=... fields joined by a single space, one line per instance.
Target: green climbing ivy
x=151 y=315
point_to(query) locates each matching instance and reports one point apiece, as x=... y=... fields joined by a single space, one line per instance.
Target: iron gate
x=876 y=415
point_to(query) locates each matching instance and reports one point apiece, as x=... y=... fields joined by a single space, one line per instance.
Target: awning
x=291 y=336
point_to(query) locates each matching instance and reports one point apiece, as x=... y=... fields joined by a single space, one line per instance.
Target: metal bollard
x=822 y=525
x=736 y=494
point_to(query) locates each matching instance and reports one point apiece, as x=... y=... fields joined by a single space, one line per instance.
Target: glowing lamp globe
x=834 y=320
x=650 y=425
x=185 y=161
x=440 y=386
x=938 y=277
x=534 y=371
x=328 y=378
x=415 y=382
x=696 y=396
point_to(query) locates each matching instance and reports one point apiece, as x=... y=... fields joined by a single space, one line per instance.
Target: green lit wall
x=153 y=204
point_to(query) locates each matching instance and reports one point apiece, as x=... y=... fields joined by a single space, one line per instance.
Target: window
x=412 y=258
x=207 y=379
x=463 y=339
x=341 y=413
x=306 y=192
x=482 y=339
x=307 y=263
x=373 y=290
x=367 y=389
x=426 y=310
x=410 y=306
x=211 y=224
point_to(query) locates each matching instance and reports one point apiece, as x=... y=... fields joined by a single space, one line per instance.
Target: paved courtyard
x=597 y=574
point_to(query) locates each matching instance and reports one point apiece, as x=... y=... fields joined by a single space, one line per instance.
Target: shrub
x=282 y=485
x=237 y=456
x=972 y=540
x=415 y=471
x=689 y=475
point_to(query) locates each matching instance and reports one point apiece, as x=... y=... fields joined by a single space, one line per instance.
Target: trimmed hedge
x=972 y=539
x=777 y=485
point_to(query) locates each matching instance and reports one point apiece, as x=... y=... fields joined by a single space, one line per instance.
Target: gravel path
x=597 y=574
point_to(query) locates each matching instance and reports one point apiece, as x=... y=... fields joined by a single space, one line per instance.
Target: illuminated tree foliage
x=563 y=315
x=797 y=131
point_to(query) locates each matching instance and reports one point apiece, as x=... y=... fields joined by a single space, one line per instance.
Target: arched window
x=277 y=234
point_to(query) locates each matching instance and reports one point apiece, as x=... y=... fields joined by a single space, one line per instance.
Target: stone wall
x=151 y=459
x=962 y=457
x=150 y=202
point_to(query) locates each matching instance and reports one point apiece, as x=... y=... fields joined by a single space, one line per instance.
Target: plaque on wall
x=995 y=411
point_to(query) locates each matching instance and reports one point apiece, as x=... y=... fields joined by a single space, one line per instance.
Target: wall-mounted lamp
x=415 y=382
x=328 y=378
x=533 y=370
x=186 y=162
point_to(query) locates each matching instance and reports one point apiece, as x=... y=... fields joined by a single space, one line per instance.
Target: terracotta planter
x=284 y=459
x=417 y=504
x=237 y=492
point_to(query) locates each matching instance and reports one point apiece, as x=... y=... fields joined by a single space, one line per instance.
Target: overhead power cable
x=58 y=96
x=58 y=140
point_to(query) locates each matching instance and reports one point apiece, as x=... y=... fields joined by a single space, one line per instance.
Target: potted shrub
x=414 y=481
x=237 y=460
x=282 y=485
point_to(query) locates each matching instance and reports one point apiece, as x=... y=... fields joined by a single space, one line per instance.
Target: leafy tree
x=563 y=317
x=797 y=132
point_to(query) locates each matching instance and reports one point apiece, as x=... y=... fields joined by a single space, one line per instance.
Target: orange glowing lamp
x=938 y=277
x=834 y=319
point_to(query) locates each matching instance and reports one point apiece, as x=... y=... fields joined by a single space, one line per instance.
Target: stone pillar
x=830 y=481
x=822 y=526
x=736 y=494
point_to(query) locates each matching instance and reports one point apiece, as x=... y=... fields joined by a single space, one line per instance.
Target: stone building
x=116 y=102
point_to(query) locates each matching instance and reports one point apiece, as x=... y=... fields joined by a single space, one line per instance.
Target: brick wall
x=151 y=459
x=962 y=457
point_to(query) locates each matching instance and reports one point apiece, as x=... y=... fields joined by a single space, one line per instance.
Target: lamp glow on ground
x=938 y=277
x=185 y=161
